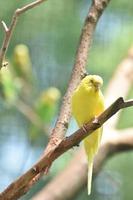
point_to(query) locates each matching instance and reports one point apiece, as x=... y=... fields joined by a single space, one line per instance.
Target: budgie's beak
x=97 y=85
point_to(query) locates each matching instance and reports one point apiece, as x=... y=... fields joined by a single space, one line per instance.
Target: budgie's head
x=92 y=82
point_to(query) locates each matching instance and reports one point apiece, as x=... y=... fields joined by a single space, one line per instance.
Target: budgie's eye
x=91 y=81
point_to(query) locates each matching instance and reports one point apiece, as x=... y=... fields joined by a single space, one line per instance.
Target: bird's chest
x=85 y=108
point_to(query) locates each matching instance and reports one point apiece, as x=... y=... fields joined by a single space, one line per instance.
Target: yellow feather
x=87 y=103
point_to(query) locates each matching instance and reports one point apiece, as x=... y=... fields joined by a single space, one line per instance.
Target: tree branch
x=77 y=167
x=18 y=187
x=9 y=31
x=4 y=26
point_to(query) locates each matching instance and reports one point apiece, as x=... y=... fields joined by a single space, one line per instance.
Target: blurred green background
x=51 y=32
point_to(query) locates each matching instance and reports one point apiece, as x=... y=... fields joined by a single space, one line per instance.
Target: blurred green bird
x=46 y=107
x=9 y=88
x=46 y=104
x=22 y=62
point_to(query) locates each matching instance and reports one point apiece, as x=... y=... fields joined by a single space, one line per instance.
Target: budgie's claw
x=84 y=129
x=95 y=121
x=77 y=145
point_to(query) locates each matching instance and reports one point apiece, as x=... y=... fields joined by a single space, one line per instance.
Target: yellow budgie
x=87 y=103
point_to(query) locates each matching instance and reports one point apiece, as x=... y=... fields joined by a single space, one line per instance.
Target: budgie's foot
x=95 y=121
x=84 y=128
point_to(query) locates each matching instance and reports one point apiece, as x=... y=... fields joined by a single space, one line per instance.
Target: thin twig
x=19 y=187
x=9 y=31
x=4 y=26
x=128 y=103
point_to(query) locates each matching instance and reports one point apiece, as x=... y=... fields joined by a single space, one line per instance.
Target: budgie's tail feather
x=90 y=169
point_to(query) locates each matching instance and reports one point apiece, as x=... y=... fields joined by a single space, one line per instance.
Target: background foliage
x=51 y=33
